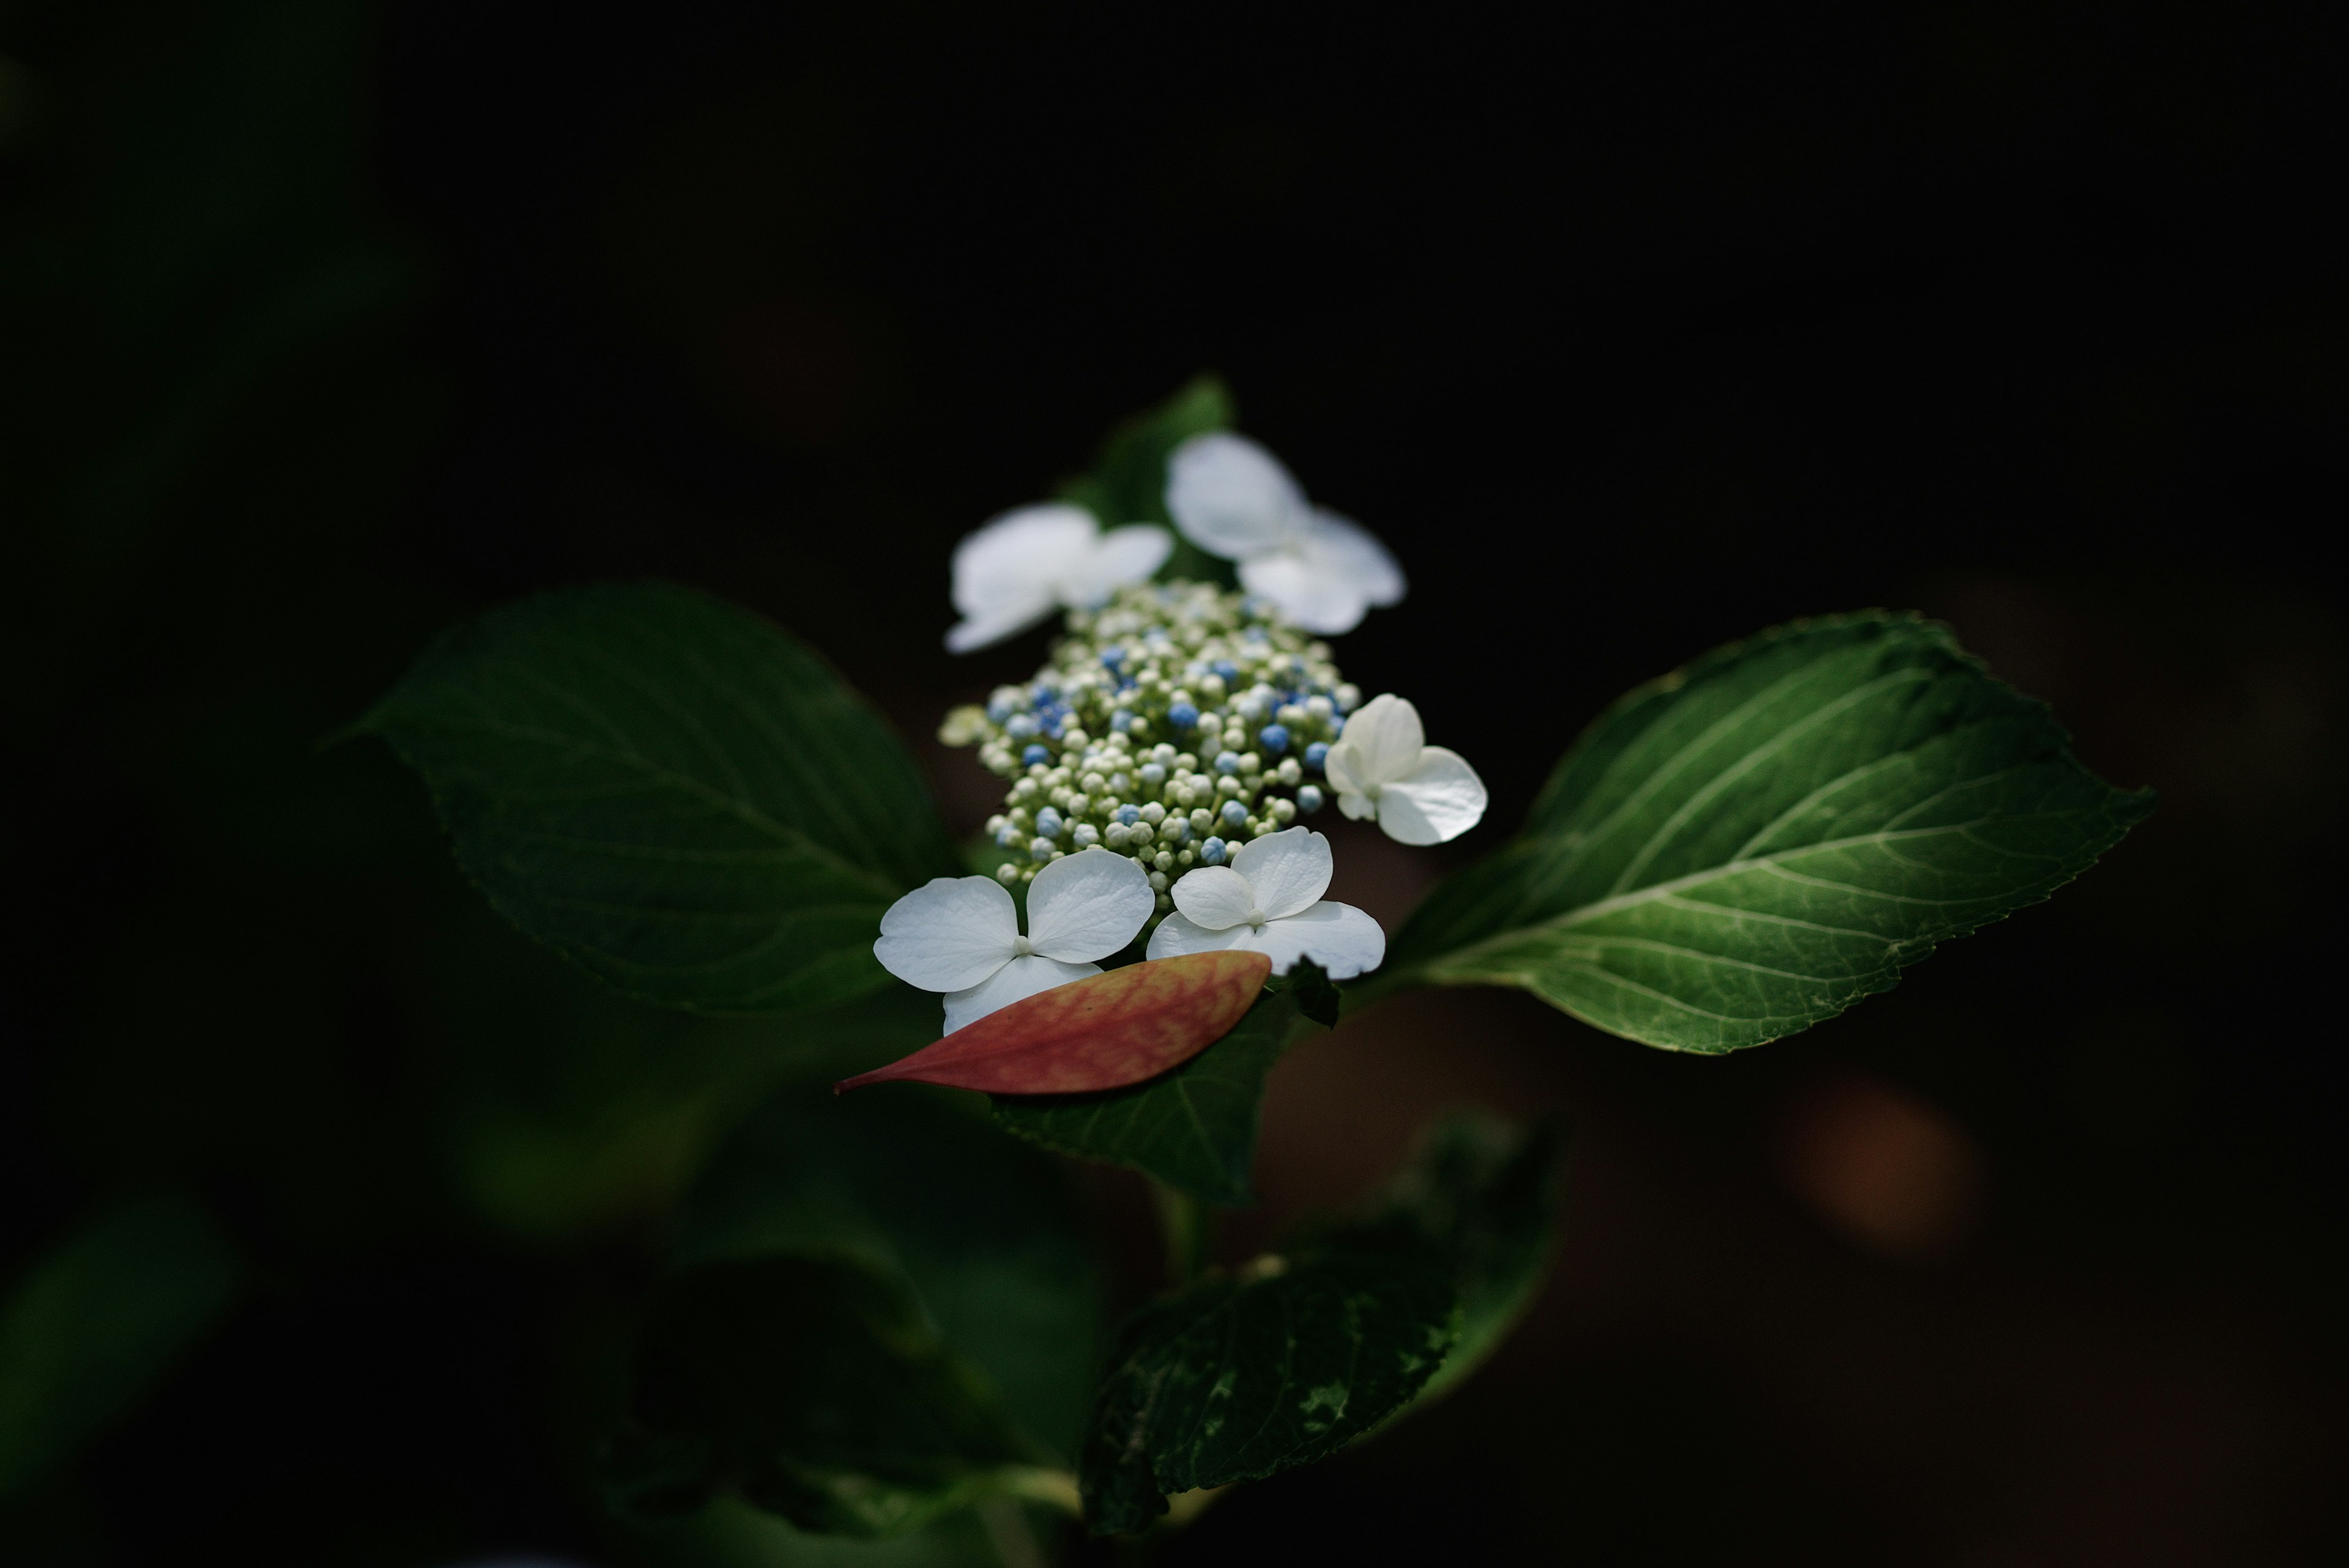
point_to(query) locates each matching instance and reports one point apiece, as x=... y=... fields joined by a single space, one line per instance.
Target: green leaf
x=97 y=1321
x=1238 y=1377
x=1487 y=1193
x=986 y=1231
x=670 y=791
x=1752 y=844
x=1128 y=481
x=1193 y=1128
x=815 y=1388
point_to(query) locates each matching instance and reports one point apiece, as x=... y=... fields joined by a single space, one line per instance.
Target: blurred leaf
x=731 y=1533
x=1752 y=844
x=1128 y=481
x=815 y=1388
x=573 y=1110
x=1487 y=1193
x=986 y=1231
x=1193 y=1127
x=670 y=791
x=93 y=1326
x=1238 y=1377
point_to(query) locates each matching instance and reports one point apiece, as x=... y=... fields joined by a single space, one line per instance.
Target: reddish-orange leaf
x=1102 y=1032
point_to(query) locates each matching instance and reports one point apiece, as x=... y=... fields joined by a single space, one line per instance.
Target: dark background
x=1630 y=330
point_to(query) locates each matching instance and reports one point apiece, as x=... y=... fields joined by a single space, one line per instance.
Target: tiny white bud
x=995 y=824
x=1290 y=772
x=1184 y=857
x=1083 y=837
x=1201 y=820
x=1140 y=832
x=1007 y=872
x=1154 y=813
x=1227 y=784
x=1073 y=736
x=1114 y=836
x=1094 y=782
x=1165 y=902
x=1158 y=880
x=1163 y=860
x=1250 y=762
x=1284 y=812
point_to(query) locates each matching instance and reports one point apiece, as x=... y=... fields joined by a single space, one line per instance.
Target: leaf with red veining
x=1104 y=1032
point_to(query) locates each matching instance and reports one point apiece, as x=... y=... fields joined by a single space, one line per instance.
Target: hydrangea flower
x=1381 y=766
x=1027 y=562
x=961 y=935
x=1269 y=901
x=1178 y=719
x=1234 y=499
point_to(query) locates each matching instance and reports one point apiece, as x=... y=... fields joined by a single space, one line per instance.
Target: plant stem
x=1189 y=1227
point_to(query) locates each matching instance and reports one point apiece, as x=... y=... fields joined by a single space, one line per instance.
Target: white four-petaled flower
x=1027 y=562
x=1232 y=498
x=1269 y=901
x=961 y=934
x=1381 y=765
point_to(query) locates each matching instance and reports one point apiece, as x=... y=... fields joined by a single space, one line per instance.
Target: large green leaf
x=97 y=1321
x=1193 y=1128
x=1243 y=1375
x=987 y=1230
x=670 y=791
x=1752 y=844
x=815 y=1385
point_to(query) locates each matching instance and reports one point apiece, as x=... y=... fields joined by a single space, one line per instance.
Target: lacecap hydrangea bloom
x=1232 y=498
x=1175 y=725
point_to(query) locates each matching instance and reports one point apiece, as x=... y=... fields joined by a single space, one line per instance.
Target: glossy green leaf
x=670 y=791
x=815 y=1386
x=986 y=1231
x=1240 y=1376
x=1193 y=1127
x=1752 y=844
x=96 y=1322
x=1487 y=1193
x=1128 y=481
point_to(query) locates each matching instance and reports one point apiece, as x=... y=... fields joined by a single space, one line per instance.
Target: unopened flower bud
x=1308 y=798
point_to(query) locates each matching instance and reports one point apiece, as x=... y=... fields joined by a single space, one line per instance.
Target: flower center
x=1255 y=918
x=1022 y=948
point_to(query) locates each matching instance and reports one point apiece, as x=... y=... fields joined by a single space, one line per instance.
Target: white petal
x=1087 y=905
x=1343 y=768
x=1214 y=897
x=1387 y=738
x=1122 y=555
x=1326 y=603
x=1008 y=618
x=1357 y=807
x=1338 y=936
x=1339 y=546
x=1286 y=870
x=1022 y=977
x=1178 y=934
x=1438 y=800
x=948 y=934
x=1231 y=497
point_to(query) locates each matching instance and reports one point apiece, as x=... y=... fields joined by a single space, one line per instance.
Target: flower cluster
x=1173 y=725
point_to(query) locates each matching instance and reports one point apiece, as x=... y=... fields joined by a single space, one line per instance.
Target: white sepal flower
x=961 y=934
x=1232 y=498
x=1025 y=564
x=1269 y=901
x=1380 y=765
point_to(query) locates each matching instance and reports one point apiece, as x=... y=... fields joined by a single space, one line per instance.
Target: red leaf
x=1102 y=1032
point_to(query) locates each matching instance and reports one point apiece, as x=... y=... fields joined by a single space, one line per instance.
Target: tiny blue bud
x=1273 y=737
x=1047 y=822
x=1112 y=658
x=1183 y=715
x=1153 y=775
x=1083 y=837
x=1035 y=754
x=1129 y=815
x=1122 y=721
x=1309 y=799
x=1039 y=849
x=1007 y=837
x=1235 y=813
x=1226 y=669
x=1211 y=853
x=1227 y=761
x=1316 y=755
x=998 y=710
x=1019 y=726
